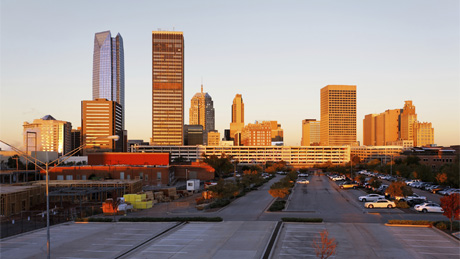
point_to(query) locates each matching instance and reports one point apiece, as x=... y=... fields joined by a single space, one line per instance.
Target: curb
x=403 y=225
x=268 y=251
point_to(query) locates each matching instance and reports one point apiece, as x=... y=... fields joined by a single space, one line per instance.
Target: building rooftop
x=48 y=118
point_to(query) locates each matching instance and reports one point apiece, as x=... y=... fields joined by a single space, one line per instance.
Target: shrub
x=302 y=220
x=277 y=206
x=219 y=203
x=444 y=225
x=441 y=225
x=410 y=222
x=174 y=219
x=402 y=204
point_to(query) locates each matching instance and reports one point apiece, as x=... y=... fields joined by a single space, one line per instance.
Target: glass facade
x=108 y=69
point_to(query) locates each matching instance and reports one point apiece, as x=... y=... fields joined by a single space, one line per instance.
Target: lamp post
x=47 y=169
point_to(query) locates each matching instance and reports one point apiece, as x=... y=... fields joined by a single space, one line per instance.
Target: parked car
x=303 y=181
x=303 y=175
x=439 y=188
x=382 y=203
x=411 y=197
x=348 y=185
x=414 y=202
x=371 y=197
x=446 y=191
x=452 y=191
x=429 y=207
x=338 y=178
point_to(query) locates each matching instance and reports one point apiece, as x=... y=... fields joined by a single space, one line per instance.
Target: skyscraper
x=202 y=113
x=167 y=88
x=49 y=134
x=109 y=69
x=338 y=115
x=237 y=124
x=99 y=119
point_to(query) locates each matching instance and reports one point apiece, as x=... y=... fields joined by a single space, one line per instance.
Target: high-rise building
x=193 y=135
x=167 y=88
x=338 y=115
x=257 y=134
x=381 y=129
x=310 y=132
x=423 y=134
x=237 y=124
x=408 y=117
x=202 y=113
x=99 y=119
x=48 y=134
x=213 y=138
x=75 y=136
x=396 y=126
x=109 y=69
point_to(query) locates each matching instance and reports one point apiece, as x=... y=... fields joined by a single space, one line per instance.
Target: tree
x=441 y=178
x=324 y=246
x=224 y=189
x=222 y=165
x=375 y=183
x=399 y=189
x=451 y=206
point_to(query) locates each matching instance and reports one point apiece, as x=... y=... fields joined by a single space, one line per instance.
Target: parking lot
x=357 y=240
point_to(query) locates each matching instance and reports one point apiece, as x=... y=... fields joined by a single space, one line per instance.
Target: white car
x=382 y=203
x=429 y=207
x=338 y=178
x=371 y=197
x=303 y=181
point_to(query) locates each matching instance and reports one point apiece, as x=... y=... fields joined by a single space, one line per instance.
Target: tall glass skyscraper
x=109 y=69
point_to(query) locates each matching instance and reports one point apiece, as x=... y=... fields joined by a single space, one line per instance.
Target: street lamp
x=47 y=169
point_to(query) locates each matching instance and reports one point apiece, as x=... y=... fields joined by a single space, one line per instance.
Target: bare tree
x=324 y=246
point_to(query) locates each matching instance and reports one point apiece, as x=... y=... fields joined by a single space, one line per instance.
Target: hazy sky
x=277 y=54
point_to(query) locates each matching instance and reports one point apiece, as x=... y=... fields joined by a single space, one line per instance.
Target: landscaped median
x=442 y=225
x=309 y=220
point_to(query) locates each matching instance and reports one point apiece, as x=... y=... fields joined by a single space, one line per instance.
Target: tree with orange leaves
x=324 y=246
x=451 y=206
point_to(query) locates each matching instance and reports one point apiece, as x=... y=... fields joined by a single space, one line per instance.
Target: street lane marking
x=11 y=242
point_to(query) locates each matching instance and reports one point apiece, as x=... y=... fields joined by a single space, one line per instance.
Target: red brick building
x=157 y=159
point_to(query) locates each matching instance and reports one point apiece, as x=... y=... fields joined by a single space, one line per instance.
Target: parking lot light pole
x=47 y=169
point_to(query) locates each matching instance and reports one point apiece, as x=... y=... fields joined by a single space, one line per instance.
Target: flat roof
x=7 y=188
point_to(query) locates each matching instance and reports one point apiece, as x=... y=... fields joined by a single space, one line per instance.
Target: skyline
x=277 y=56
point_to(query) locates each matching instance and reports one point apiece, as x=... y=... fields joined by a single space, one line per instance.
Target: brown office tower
x=99 y=119
x=167 y=88
x=237 y=124
x=338 y=115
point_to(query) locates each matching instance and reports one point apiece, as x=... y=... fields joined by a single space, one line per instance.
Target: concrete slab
x=231 y=239
x=76 y=240
x=362 y=240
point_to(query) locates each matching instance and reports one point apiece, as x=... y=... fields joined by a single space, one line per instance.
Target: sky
x=277 y=54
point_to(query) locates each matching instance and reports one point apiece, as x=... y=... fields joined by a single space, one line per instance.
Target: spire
x=201 y=87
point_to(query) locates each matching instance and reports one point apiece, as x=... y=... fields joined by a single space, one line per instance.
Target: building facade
x=75 y=136
x=408 y=118
x=109 y=69
x=277 y=134
x=193 y=135
x=382 y=153
x=381 y=129
x=257 y=134
x=48 y=134
x=167 y=88
x=311 y=129
x=99 y=119
x=202 y=113
x=338 y=115
x=294 y=155
x=423 y=134
x=213 y=138
x=237 y=124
